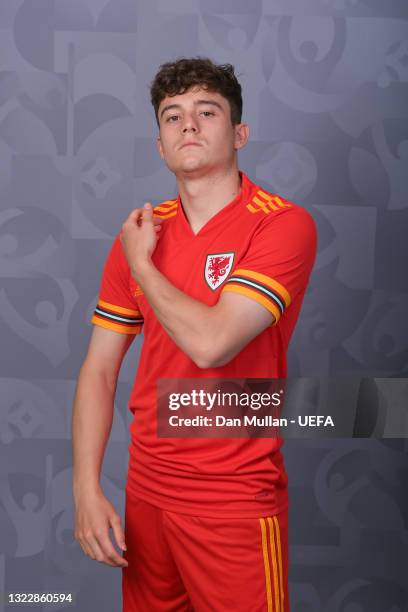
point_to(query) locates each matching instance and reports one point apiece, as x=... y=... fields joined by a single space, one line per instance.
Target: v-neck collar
x=220 y=216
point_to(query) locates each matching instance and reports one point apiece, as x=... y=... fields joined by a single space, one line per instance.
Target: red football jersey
x=259 y=245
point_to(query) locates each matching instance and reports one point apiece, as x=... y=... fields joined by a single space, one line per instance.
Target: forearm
x=91 y=424
x=189 y=322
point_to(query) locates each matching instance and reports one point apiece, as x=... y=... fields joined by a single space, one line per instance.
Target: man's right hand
x=94 y=516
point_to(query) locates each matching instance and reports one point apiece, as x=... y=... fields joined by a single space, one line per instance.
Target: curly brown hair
x=177 y=77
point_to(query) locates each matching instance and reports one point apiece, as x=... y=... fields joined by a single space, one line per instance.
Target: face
x=196 y=134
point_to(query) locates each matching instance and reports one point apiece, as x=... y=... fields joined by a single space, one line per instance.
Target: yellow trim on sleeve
x=266 y=280
x=122 y=329
x=254 y=295
x=119 y=309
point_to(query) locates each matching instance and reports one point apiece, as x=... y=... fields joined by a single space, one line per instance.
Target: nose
x=189 y=128
x=189 y=125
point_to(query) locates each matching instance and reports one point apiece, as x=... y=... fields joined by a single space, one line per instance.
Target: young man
x=216 y=279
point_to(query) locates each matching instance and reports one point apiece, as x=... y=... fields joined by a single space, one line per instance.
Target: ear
x=159 y=147
x=241 y=135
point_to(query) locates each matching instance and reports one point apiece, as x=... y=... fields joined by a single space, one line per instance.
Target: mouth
x=190 y=144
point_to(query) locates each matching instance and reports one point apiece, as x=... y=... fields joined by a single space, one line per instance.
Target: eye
x=170 y=119
x=208 y=113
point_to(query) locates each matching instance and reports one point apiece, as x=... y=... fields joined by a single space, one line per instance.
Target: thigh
x=151 y=581
x=232 y=564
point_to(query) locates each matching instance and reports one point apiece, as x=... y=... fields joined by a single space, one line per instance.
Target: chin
x=191 y=166
x=188 y=166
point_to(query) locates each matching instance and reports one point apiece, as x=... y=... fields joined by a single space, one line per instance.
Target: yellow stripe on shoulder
x=165 y=209
x=266 y=203
x=165 y=216
x=272 y=197
x=266 y=206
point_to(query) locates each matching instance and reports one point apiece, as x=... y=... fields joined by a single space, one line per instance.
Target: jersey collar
x=222 y=216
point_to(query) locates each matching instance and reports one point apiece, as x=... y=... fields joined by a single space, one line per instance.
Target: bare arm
x=91 y=425
x=274 y=270
x=210 y=335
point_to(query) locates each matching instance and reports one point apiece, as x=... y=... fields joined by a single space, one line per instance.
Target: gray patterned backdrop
x=325 y=86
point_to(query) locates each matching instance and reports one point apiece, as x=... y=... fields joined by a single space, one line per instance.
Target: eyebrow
x=196 y=103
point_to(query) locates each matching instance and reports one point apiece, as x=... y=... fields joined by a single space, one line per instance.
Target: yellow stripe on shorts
x=266 y=565
x=271 y=535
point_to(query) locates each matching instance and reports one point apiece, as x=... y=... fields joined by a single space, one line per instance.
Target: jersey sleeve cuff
x=261 y=288
x=117 y=318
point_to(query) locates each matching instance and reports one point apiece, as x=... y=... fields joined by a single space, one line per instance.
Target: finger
x=157 y=220
x=87 y=550
x=135 y=217
x=100 y=555
x=135 y=214
x=97 y=551
x=118 y=532
x=157 y=228
x=110 y=554
x=147 y=212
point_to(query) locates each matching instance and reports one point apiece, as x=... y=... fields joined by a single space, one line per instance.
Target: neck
x=204 y=196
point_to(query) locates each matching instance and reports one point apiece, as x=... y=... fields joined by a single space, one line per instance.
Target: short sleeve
x=278 y=262
x=116 y=308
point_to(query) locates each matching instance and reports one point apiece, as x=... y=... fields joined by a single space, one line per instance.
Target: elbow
x=210 y=356
x=206 y=364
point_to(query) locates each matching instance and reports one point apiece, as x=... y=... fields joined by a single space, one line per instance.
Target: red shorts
x=179 y=563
